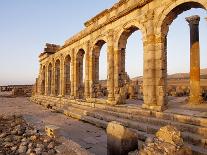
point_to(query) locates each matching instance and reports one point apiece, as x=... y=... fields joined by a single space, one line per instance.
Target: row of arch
x=157 y=80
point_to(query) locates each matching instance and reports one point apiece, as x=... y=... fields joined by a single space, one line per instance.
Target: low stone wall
x=22 y=91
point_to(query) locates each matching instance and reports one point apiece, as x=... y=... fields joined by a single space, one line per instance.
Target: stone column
x=72 y=72
x=195 y=94
x=62 y=77
x=86 y=91
x=110 y=68
x=110 y=73
x=46 y=79
x=91 y=81
x=53 y=79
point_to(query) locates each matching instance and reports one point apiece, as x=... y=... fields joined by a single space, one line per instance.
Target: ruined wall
x=113 y=27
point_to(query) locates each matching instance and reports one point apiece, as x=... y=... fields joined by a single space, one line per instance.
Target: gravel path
x=88 y=136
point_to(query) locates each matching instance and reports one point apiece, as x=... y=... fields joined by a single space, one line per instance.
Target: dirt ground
x=88 y=136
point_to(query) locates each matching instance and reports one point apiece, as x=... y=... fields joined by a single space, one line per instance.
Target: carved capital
x=193 y=20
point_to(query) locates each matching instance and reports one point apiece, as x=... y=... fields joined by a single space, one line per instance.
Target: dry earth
x=87 y=136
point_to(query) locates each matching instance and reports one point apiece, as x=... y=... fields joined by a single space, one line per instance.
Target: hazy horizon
x=26 y=26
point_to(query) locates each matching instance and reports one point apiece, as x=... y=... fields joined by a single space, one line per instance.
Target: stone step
x=150 y=120
x=92 y=120
x=142 y=135
x=142 y=127
x=199 y=121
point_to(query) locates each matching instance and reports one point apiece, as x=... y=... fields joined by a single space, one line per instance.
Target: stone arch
x=95 y=85
x=162 y=27
x=50 y=74
x=67 y=79
x=43 y=79
x=57 y=77
x=171 y=12
x=79 y=73
x=121 y=46
x=129 y=26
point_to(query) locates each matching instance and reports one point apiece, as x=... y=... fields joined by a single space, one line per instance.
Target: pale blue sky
x=26 y=25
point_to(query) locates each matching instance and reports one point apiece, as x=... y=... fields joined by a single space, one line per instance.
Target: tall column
x=154 y=74
x=53 y=79
x=110 y=68
x=91 y=72
x=86 y=91
x=46 y=79
x=72 y=72
x=195 y=94
x=62 y=77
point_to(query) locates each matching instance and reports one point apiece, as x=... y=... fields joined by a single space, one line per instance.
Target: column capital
x=193 y=20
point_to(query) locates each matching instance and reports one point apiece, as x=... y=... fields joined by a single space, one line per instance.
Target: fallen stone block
x=168 y=141
x=52 y=131
x=120 y=140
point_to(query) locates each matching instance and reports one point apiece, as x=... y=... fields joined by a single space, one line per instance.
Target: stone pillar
x=53 y=79
x=195 y=93
x=86 y=91
x=110 y=73
x=154 y=73
x=72 y=72
x=62 y=77
x=76 y=76
x=46 y=79
x=91 y=74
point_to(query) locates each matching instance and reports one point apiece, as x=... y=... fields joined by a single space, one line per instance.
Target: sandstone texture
x=168 y=141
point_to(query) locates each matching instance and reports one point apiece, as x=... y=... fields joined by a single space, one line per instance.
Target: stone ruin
x=18 y=90
x=168 y=141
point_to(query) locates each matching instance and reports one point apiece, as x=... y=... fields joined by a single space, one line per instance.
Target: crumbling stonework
x=168 y=141
x=120 y=140
x=113 y=27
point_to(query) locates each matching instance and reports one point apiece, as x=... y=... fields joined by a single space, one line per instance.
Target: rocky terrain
x=17 y=137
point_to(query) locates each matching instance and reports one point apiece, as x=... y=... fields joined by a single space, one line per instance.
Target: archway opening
x=57 y=77
x=130 y=70
x=99 y=71
x=67 y=75
x=80 y=73
x=50 y=79
x=176 y=34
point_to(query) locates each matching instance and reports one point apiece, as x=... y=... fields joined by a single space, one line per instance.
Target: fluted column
x=195 y=94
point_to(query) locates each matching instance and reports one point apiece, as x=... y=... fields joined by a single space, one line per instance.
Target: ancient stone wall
x=113 y=27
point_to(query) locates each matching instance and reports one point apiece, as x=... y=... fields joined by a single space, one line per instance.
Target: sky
x=26 y=25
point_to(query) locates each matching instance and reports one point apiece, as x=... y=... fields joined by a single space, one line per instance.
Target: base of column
x=154 y=107
x=195 y=100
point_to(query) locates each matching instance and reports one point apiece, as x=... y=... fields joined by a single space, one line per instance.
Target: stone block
x=52 y=131
x=120 y=140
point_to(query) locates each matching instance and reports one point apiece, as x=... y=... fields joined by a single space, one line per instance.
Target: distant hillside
x=172 y=76
x=204 y=71
x=179 y=75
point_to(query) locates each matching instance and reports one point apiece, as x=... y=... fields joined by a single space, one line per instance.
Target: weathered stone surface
x=168 y=141
x=120 y=140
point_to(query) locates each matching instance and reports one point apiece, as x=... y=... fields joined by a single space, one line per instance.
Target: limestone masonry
x=61 y=67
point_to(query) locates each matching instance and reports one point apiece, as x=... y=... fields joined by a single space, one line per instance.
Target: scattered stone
x=22 y=149
x=17 y=137
x=51 y=145
x=168 y=141
x=38 y=150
